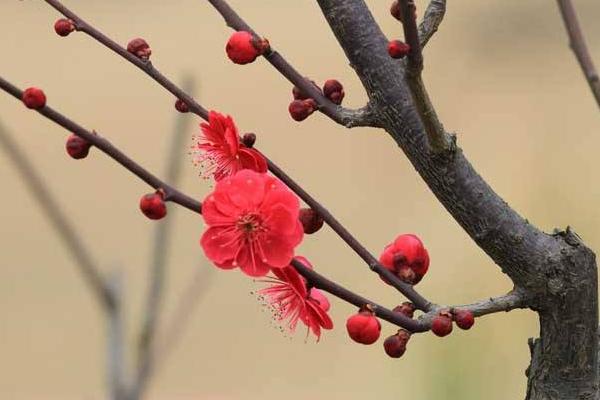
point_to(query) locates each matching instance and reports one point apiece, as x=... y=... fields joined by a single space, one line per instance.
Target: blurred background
x=501 y=76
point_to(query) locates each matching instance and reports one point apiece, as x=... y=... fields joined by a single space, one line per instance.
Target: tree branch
x=171 y=194
x=184 y=200
x=234 y=20
x=341 y=115
x=431 y=21
x=60 y=222
x=579 y=47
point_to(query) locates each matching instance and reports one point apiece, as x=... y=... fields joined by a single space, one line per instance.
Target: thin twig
x=348 y=118
x=159 y=253
x=116 y=340
x=171 y=194
x=316 y=279
x=438 y=139
x=237 y=23
x=514 y=299
x=579 y=47
x=60 y=222
x=431 y=20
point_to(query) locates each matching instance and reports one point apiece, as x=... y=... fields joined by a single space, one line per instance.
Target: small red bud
x=464 y=319
x=396 y=11
x=153 y=205
x=441 y=325
x=140 y=48
x=334 y=91
x=34 y=98
x=299 y=95
x=241 y=48
x=395 y=345
x=311 y=220
x=64 y=26
x=398 y=49
x=363 y=327
x=301 y=109
x=181 y=106
x=249 y=139
x=77 y=147
x=407 y=308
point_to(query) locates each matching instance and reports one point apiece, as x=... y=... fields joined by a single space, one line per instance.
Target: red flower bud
x=64 y=26
x=140 y=48
x=77 y=147
x=301 y=109
x=334 y=91
x=363 y=327
x=153 y=205
x=407 y=308
x=407 y=258
x=396 y=11
x=243 y=48
x=249 y=139
x=34 y=98
x=181 y=106
x=395 y=345
x=311 y=220
x=299 y=94
x=464 y=319
x=441 y=325
x=398 y=49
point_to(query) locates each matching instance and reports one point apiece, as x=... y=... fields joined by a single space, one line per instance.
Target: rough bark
x=557 y=271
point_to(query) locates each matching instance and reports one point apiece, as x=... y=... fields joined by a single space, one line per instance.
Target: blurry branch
x=175 y=325
x=234 y=20
x=579 y=47
x=159 y=253
x=116 y=340
x=59 y=220
x=431 y=21
x=514 y=299
x=438 y=139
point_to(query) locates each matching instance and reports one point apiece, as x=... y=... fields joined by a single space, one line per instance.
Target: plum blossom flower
x=252 y=223
x=293 y=301
x=219 y=151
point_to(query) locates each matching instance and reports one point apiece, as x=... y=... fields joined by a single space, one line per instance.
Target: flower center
x=250 y=223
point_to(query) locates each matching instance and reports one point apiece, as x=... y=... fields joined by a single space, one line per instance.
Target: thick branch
x=60 y=222
x=431 y=21
x=577 y=43
x=341 y=115
x=363 y=114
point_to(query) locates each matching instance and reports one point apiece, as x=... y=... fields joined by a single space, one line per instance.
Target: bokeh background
x=502 y=77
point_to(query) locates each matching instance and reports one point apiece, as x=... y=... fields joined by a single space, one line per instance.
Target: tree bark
x=557 y=271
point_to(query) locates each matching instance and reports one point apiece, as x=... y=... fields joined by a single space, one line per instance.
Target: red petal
x=220 y=244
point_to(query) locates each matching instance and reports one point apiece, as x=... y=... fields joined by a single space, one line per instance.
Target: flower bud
x=398 y=49
x=64 y=26
x=153 y=205
x=181 y=106
x=77 y=147
x=441 y=325
x=243 y=48
x=363 y=327
x=407 y=308
x=249 y=139
x=395 y=345
x=301 y=109
x=311 y=220
x=34 y=98
x=140 y=48
x=464 y=319
x=334 y=91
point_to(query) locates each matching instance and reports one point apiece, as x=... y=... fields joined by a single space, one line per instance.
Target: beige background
x=502 y=77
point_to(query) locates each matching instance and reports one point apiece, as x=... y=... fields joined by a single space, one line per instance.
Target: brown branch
x=171 y=194
x=579 y=47
x=235 y=21
x=184 y=200
x=508 y=302
x=60 y=222
x=438 y=139
x=431 y=21
x=341 y=115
